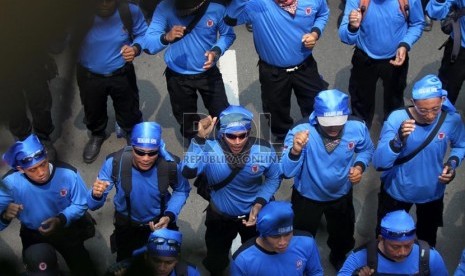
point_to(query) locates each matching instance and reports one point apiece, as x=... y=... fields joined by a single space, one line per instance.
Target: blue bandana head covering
x=26 y=153
x=275 y=218
x=235 y=118
x=398 y=226
x=431 y=87
x=146 y=135
x=162 y=242
x=331 y=108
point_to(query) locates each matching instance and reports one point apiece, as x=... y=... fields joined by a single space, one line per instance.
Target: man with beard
x=141 y=203
x=243 y=174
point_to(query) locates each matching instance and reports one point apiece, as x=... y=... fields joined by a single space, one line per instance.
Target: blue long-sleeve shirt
x=247 y=187
x=277 y=35
x=417 y=180
x=300 y=258
x=145 y=195
x=187 y=56
x=323 y=176
x=384 y=27
x=409 y=266
x=101 y=49
x=438 y=10
x=63 y=194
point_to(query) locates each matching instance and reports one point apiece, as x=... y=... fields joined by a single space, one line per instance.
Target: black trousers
x=30 y=92
x=452 y=75
x=429 y=215
x=183 y=96
x=340 y=218
x=129 y=238
x=365 y=73
x=219 y=236
x=276 y=88
x=73 y=251
x=121 y=87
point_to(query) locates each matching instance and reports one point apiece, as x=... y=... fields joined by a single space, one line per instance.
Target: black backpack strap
x=227 y=180
x=456 y=41
x=126 y=17
x=181 y=268
x=122 y=170
x=372 y=254
x=167 y=175
x=424 y=251
x=194 y=21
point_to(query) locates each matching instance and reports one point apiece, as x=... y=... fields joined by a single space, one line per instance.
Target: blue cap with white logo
x=331 y=108
x=26 y=153
x=275 y=218
x=431 y=87
x=146 y=135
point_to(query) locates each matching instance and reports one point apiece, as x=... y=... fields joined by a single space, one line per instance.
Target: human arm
x=457 y=152
x=155 y=38
x=225 y=40
x=349 y=29
x=95 y=197
x=179 y=196
x=364 y=150
x=295 y=144
x=236 y=13
x=415 y=22
x=313 y=266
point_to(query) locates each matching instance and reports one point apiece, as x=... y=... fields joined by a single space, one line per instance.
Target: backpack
x=167 y=174
x=423 y=265
x=403 y=4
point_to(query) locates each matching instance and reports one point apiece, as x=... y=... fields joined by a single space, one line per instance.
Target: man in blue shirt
x=327 y=154
x=382 y=35
x=105 y=69
x=279 y=250
x=397 y=251
x=285 y=33
x=48 y=199
x=144 y=207
x=242 y=172
x=191 y=56
x=414 y=174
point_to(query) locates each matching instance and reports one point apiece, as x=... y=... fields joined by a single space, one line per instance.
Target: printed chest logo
x=441 y=135
x=351 y=145
x=43 y=266
x=308 y=11
x=255 y=168
x=299 y=264
x=63 y=192
x=210 y=23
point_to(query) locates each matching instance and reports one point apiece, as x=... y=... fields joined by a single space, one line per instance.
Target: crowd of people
x=324 y=153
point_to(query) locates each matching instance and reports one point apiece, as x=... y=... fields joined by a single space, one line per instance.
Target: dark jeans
x=121 y=87
x=73 y=251
x=429 y=215
x=452 y=75
x=219 y=235
x=362 y=85
x=183 y=96
x=276 y=88
x=340 y=218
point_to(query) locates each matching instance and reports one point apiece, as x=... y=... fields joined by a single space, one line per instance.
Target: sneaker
x=248 y=26
x=428 y=24
x=336 y=261
x=51 y=151
x=92 y=148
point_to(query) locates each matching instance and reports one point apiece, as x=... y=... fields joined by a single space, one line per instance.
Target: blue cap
x=235 y=118
x=162 y=242
x=146 y=135
x=275 y=218
x=431 y=87
x=331 y=108
x=25 y=153
x=398 y=226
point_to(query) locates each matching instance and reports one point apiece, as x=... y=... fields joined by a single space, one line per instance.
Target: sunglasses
x=160 y=241
x=144 y=153
x=392 y=234
x=35 y=156
x=232 y=136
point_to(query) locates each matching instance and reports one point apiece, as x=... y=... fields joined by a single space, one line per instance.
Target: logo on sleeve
x=308 y=11
x=63 y=192
x=441 y=135
x=299 y=264
x=209 y=23
x=351 y=145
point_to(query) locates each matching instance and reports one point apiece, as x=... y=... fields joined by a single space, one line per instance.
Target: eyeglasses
x=395 y=235
x=424 y=111
x=144 y=153
x=232 y=136
x=35 y=156
x=170 y=242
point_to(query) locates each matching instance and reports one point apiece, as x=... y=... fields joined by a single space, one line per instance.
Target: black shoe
x=248 y=26
x=336 y=261
x=92 y=148
x=51 y=151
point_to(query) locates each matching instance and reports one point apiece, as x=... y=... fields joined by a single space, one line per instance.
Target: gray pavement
x=333 y=58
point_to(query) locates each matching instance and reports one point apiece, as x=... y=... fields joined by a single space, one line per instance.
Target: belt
x=294 y=68
x=121 y=219
x=229 y=217
x=117 y=72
